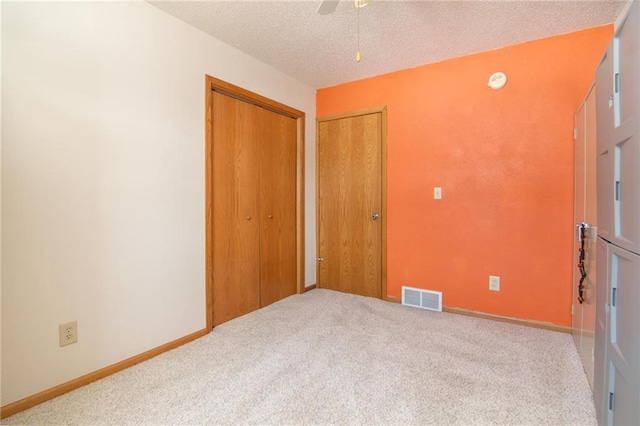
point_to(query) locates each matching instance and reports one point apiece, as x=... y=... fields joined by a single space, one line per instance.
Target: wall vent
x=425 y=299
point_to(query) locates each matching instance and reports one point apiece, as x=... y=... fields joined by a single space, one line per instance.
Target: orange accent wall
x=504 y=160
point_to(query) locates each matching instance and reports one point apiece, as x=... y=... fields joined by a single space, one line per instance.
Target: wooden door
x=350 y=204
x=277 y=207
x=236 y=174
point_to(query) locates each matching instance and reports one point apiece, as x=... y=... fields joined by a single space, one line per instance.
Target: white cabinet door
x=625 y=135
x=623 y=342
x=600 y=383
x=604 y=98
x=604 y=110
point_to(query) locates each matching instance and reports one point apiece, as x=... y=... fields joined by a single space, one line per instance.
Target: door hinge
x=575 y=134
x=573 y=309
x=319 y=259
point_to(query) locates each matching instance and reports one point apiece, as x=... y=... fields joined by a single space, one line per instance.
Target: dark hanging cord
x=583 y=272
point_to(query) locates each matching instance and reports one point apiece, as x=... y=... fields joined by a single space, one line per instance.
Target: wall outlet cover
x=68 y=333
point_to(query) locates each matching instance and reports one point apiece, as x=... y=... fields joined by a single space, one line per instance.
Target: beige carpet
x=327 y=357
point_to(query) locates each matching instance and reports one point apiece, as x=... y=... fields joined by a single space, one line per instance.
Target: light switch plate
x=494 y=283
x=437 y=193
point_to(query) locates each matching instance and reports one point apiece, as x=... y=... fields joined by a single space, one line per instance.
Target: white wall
x=103 y=181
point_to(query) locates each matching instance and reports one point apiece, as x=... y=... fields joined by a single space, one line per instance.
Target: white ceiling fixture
x=293 y=37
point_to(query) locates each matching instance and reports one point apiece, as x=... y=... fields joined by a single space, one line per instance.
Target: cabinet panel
x=623 y=349
x=277 y=207
x=624 y=299
x=625 y=138
x=604 y=98
x=600 y=377
x=589 y=307
x=604 y=110
x=626 y=70
x=606 y=189
x=622 y=403
x=591 y=161
x=617 y=364
x=626 y=192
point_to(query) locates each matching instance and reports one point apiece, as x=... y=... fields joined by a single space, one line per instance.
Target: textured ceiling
x=320 y=50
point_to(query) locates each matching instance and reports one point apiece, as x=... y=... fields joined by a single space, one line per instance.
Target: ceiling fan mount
x=327 y=7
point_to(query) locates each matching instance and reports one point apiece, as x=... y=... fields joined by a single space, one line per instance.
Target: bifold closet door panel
x=236 y=174
x=277 y=207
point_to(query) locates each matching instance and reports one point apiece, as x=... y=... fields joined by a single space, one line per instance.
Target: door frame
x=213 y=84
x=383 y=141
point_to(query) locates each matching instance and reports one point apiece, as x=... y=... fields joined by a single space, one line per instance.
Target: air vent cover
x=424 y=299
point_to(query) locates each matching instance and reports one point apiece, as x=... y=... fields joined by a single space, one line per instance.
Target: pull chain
x=358 y=25
x=581 y=268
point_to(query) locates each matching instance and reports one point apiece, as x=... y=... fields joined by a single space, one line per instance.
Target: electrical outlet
x=68 y=333
x=494 y=283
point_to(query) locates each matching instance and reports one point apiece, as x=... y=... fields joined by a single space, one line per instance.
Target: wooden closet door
x=277 y=206
x=236 y=220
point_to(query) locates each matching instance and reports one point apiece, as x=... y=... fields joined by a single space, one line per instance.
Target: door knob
x=248 y=217
x=375 y=216
x=270 y=216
